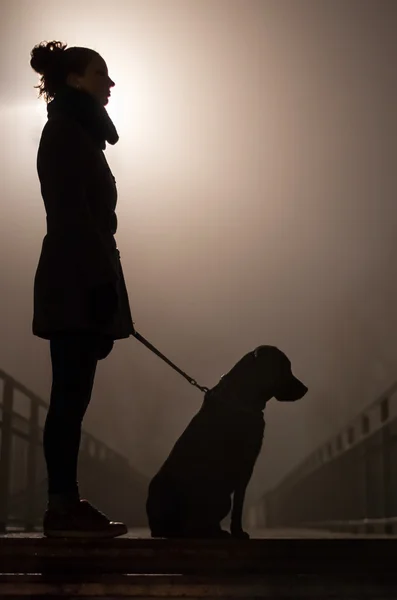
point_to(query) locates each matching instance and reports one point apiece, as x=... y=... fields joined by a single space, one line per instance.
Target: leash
x=141 y=339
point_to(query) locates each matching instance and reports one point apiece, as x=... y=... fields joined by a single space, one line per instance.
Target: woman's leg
x=74 y=362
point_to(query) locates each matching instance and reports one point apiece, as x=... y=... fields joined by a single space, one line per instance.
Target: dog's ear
x=268 y=364
x=268 y=353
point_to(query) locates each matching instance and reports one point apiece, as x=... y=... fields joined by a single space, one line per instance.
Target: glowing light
x=41 y=111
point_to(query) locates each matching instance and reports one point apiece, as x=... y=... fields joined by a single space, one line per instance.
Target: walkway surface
x=256 y=534
x=288 y=564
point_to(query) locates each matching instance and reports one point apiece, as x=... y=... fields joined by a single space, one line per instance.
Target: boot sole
x=110 y=533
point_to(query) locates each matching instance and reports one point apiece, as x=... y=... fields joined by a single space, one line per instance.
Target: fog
x=256 y=173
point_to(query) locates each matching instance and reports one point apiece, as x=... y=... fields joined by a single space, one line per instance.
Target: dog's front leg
x=236 y=524
x=245 y=462
x=245 y=468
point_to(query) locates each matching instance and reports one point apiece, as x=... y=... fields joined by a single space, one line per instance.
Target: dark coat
x=79 y=251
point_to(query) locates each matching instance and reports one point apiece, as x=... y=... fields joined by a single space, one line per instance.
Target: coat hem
x=48 y=335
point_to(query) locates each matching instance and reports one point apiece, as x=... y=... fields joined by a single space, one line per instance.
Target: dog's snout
x=301 y=390
x=291 y=390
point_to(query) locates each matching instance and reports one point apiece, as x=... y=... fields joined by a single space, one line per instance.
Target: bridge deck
x=142 y=533
x=274 y=564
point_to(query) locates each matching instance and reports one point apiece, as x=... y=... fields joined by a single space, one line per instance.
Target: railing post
x=386 y=443
x=5 y=452
x=385 y=450
x=32 y=465
x=365 y=472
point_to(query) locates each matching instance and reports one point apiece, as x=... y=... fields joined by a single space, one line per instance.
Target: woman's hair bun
x=45 y=54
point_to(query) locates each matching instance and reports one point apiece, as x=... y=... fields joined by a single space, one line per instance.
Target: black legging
x=74 y=360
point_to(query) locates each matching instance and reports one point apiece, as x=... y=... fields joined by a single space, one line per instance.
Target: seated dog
x=215 y=456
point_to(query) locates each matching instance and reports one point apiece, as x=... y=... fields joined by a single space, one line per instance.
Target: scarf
x=87 y=110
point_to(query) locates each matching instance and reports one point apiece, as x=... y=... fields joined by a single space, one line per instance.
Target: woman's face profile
x=95 y=81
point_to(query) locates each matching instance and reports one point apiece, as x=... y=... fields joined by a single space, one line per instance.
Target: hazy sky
x=257 y=189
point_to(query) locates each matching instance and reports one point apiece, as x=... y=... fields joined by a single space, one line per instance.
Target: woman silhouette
x=80 y=299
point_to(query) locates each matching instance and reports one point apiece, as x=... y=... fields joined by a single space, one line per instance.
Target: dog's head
x=273 y=369
x=260 y=375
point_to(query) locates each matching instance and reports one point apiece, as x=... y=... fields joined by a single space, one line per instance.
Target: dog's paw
x=204 y=533
x=240 y=535
x=223 y=534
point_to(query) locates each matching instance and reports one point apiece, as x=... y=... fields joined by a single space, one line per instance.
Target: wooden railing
x=107 y=477
x=349 y=482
